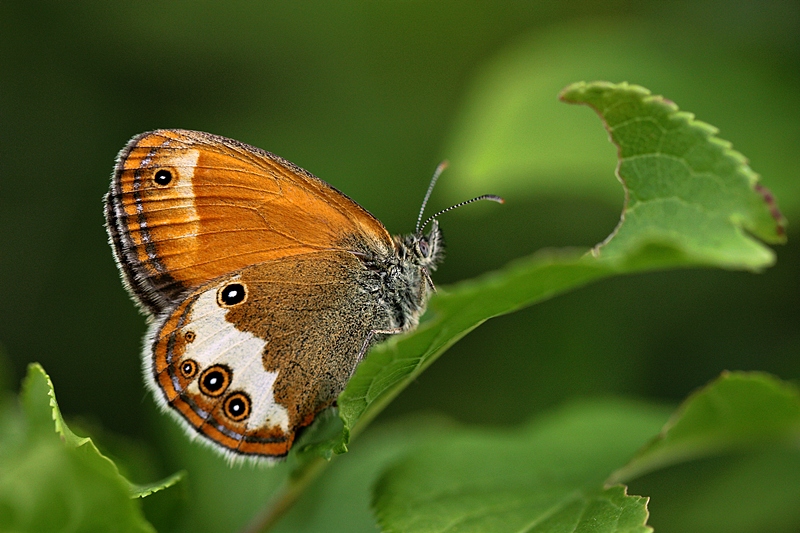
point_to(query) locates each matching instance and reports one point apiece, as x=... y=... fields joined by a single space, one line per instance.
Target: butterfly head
x=427 y=250
x=424 y=251
x=421 y=253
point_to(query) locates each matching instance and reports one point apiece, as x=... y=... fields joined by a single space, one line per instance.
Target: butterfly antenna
x=491 y=197
x=438 y=172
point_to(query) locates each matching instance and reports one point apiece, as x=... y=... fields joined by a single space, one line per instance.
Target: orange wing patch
x=186 y=207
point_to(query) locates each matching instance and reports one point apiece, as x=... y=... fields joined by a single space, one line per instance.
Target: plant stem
x=288 y=494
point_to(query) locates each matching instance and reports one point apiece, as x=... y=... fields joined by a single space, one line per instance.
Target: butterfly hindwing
x=251 y=357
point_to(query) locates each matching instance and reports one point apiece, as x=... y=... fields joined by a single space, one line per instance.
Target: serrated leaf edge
x=708 y=131
x=69 y=438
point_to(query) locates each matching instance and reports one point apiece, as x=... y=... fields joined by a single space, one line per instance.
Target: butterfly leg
x=368 y=341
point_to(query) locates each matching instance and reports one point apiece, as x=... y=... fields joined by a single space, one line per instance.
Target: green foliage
x=707 y=216
x=697 y=211
x=52 y=480
x=545 y=477
x=370 y=96
x=737 y=411
x=550 y=476
x=684 y=187
x=691 y=200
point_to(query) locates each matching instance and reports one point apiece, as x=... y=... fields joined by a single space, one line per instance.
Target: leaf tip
x=142 y=491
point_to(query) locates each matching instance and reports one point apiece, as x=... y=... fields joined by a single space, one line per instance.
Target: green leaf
x=547 y=477
x=51 y=479
x=141 y=490
x=511 y=140
x=669 y=221
x=471 y=480
x=739 y=410
x=684 y=187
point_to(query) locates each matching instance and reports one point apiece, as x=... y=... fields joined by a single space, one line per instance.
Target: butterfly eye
x=423 y=247
x=215 y=380
x=237 y=406
x=188 y=368
x=163 y=177
x=231 y=294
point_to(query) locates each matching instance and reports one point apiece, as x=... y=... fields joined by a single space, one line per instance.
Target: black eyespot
x=189 y=336
x=237 y=406
x=231 y=294
x=163 y=177
x=215 y=380
x=188 y=368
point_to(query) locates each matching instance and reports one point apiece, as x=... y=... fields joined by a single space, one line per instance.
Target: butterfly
x=264 y=285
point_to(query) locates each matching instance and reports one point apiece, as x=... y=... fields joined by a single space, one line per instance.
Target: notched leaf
x=684 y=187
x=690 y=201
x=37 y=386
x=51 y=477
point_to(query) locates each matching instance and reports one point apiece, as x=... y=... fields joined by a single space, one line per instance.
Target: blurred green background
x=370 y=96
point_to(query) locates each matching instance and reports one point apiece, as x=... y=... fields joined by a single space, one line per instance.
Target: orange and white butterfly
x=265 y=285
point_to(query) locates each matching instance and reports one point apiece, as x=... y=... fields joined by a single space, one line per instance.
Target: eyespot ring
x=214 y=380
x=188 y=368
x=237 y=406
x=163 y=177
x=231 y=294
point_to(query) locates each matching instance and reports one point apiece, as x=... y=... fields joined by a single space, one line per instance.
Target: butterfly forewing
x=187 y=207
